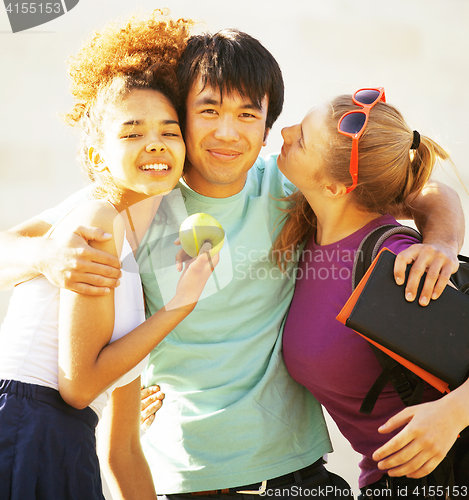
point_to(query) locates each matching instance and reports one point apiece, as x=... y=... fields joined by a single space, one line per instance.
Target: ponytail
x=422 y=162
x=394 y=165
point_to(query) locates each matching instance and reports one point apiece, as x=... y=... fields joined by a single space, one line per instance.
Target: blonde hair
x=390 y=174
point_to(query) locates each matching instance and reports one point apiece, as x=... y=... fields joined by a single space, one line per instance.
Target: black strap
x=370 y=245
x=461 y=277
x=408 y=386
x=373 y=394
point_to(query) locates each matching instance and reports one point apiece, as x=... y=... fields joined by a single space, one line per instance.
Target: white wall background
x=417 y=49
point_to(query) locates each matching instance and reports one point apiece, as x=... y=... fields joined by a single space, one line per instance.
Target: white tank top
x=29 y=333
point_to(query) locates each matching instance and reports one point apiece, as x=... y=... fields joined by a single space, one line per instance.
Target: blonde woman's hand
x=430 y=430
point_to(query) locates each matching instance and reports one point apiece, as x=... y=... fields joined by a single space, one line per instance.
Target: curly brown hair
x=125 y=48
x=137 y=53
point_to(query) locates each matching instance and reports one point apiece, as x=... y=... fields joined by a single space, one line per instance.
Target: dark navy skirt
x=47 y=447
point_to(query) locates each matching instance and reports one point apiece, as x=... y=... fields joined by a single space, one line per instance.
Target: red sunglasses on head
x=353 y=123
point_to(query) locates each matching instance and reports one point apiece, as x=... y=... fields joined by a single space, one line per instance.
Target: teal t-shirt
x=232 y=414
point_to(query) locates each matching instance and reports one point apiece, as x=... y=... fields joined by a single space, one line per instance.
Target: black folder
x=435 y=338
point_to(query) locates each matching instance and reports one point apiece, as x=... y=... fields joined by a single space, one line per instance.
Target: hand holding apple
x=199 y=229
x=201 y=237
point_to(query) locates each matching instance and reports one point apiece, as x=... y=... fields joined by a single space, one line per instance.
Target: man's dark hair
x=232 y=61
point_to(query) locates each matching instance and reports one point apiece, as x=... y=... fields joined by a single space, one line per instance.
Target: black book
x=435 y=337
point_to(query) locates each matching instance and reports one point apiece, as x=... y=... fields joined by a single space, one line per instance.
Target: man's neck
x=211 y=189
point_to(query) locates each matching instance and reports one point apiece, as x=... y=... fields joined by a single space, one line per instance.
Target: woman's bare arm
x=120 y=454
x=88 y=364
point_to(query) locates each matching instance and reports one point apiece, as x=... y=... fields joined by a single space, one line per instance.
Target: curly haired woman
x=63 y=354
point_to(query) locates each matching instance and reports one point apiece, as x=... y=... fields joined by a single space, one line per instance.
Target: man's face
x=223 y=140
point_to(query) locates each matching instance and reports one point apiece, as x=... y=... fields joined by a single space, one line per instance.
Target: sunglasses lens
x=367 y=96
x=353 y=122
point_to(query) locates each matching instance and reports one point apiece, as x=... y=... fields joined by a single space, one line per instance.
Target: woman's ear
x=334 y=189
x=96 y=159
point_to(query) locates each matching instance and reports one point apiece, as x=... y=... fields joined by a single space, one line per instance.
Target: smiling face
x=142 y=149
x=223 y=139
x=302 y=152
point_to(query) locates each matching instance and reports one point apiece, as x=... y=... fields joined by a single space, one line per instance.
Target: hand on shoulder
x=82 y=249
x=438 y=261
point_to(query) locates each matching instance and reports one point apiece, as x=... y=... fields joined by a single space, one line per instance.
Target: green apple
x=198 y=229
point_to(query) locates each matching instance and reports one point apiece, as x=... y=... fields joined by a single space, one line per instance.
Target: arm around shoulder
x=438 y=215
x=67 y=262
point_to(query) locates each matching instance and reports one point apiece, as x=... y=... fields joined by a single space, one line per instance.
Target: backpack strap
x=370 y=245
x=408 y=385
x=372 y=242
x=461 y=277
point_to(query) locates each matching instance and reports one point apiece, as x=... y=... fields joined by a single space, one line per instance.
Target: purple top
x=331 y=360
